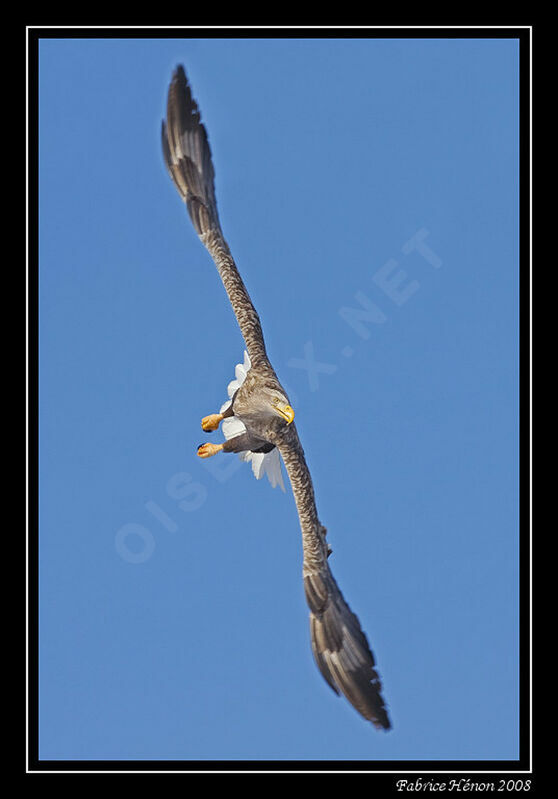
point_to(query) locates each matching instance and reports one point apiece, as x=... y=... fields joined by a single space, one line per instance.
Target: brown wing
x=340 y=647
x=188 y=159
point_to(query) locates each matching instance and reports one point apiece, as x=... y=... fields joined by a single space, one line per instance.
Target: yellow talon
x=211 y=422
x=207 y=450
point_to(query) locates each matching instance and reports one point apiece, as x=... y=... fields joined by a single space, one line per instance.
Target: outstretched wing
x=340 y=647
x=188 y=158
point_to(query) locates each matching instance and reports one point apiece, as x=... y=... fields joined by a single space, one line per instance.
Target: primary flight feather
x=259 y=419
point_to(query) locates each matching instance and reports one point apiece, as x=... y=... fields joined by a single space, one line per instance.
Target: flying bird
x=258 y=419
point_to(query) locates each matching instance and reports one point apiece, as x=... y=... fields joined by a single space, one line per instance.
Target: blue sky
x=378 y=176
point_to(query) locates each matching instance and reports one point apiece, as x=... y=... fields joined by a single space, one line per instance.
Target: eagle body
x=257 y=421
x=251 y=405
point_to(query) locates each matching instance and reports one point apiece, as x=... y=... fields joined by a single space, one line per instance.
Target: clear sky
x=369 y=193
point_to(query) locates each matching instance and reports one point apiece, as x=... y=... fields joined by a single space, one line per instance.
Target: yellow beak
x=286 y=412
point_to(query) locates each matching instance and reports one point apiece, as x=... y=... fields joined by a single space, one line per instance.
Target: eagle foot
x=207 y=450
x=211 y=422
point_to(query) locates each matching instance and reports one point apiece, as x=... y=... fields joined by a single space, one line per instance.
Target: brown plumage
x=339 y=645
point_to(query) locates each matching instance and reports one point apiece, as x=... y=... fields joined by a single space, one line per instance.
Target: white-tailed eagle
x=258 y=420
